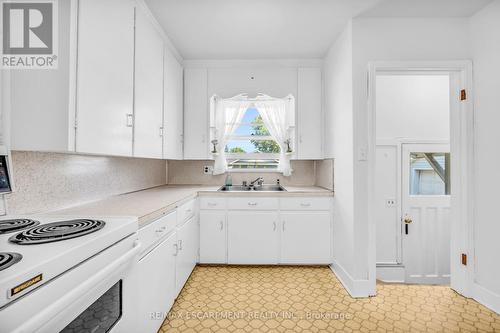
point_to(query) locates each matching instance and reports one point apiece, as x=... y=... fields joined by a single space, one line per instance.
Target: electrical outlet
x=391 y=202
x=208 y=169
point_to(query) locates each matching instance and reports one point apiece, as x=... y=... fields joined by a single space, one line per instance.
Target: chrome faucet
x=259 y=181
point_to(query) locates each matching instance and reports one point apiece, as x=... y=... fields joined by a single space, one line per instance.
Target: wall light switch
x=208 y=169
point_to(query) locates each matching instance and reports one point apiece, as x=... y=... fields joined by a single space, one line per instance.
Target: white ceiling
x=265 y=29
x=248 y=29
x=425 y=8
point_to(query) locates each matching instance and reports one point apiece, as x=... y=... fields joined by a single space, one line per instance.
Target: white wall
x=413 y=107
x=371 y=39
x=391 y=39
x=339 y=143
x=485 y=37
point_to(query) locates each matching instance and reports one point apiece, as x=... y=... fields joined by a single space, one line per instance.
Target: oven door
x=95 y=296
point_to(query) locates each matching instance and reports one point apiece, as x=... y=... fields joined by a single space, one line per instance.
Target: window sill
x=252 y=171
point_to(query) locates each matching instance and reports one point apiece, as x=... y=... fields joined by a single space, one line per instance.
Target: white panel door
x=173 y=108
x=387 y=205
x=252 y=237
x=196 y=110
x=148 y=111
x=187 y=242
x=105 y=78
x=426 y=213
x=306 y=238
x=213 y=237
x=310 y=116
x=156 y=278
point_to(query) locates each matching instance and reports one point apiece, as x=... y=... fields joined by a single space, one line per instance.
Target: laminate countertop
x=149 y=204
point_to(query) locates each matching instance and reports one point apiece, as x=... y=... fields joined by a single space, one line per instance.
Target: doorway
x=419 y=214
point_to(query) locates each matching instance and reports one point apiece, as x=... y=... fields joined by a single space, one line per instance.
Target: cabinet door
x=252 y=237
x=306 y=237
x=148 y=111
x=188 y=242
x=213 y=237
x=105 y=78
x=156 y=272
x=196 y=110
x=173 y=108
x=310 y=122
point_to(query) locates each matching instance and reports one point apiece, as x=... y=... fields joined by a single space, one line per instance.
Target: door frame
x=462 y=148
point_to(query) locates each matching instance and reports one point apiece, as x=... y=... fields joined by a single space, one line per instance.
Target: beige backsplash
x=324 y=174
x=304 y=174
x=46 y=181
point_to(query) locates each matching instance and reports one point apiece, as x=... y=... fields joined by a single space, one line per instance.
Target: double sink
x=257 y=188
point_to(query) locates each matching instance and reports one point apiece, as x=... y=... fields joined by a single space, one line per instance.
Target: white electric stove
x=66 y=274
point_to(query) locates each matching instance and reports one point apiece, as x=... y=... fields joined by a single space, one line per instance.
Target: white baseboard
x=486 y=297
x=355 y=288
x=391 y=273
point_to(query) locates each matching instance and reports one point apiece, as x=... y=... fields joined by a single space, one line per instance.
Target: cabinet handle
x=161 y=132
x=130 y=120
x=305 y=204
x=221 y=225
x=252 y=204
x=189 y=211
x=283 y=225
x=176 y=249
x=274 y=226
x=212 y=204
x=180 y=244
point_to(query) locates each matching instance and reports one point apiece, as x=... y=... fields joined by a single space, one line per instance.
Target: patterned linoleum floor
x=311 y=299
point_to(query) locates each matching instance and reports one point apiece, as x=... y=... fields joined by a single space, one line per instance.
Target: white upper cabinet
x=105 y=78
x=148 y=98
x=42 y=115
x=172 y=108
x=196 y=109
x=310 y=115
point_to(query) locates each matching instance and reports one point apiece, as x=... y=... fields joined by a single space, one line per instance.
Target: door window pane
x=429 y=174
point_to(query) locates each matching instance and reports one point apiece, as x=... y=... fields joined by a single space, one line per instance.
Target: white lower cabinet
x=187 y=256
x=253 y=237
x=259 y=231
x=156 y=284
x=306 y=237
x=213 y=237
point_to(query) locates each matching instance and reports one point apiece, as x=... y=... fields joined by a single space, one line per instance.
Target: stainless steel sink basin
x=258 y=188
x=269 y=188
x=235 y=188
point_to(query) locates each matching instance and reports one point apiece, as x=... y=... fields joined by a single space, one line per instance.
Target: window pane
x=429 y=174
x=252 y=146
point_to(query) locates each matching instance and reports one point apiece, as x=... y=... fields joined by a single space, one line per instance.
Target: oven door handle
x=44 y=316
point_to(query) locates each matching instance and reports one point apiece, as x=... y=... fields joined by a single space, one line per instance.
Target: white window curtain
x=278 y=115
x=228 y=114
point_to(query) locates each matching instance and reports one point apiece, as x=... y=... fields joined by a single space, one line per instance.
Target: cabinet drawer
x=306 y=203
x=212 y=203
x=185 y=211
x=153 y=232
x=253 y=203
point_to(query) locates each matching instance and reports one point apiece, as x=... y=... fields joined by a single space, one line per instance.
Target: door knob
x=407 y=220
